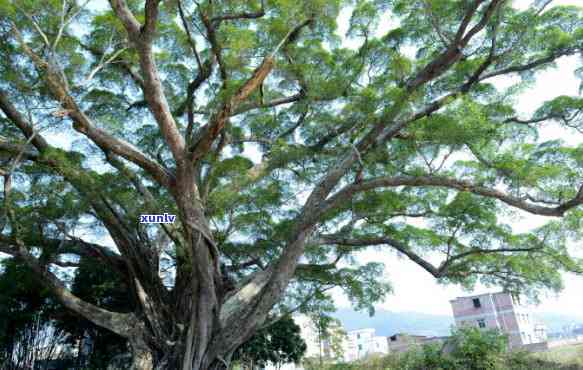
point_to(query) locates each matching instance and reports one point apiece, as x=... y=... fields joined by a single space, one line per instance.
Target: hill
x=388 y=323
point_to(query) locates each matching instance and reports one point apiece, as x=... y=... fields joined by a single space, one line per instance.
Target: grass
x=567 y=355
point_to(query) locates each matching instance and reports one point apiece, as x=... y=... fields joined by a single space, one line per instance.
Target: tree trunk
x=143 y=358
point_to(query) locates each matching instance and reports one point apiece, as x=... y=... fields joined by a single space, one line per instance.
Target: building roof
x=408 y=335
x=362 y=329
x=479 y=295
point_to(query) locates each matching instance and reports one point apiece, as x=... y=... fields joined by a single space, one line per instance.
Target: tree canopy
x=284 y=146
x=278 y=344
x=35 y=327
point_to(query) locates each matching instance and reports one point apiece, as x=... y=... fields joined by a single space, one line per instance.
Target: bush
x=526 y=361
x=474 y=349
x=466 y=349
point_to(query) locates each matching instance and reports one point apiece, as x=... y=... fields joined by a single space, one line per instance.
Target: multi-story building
x=499 y=311
x=364 y=342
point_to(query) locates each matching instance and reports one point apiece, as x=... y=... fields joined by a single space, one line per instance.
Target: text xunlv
x=157 y=219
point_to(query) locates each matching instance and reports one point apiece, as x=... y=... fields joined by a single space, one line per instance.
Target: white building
x=349 y=346
x=310 y=335
x=317 y=345
x=364 y=342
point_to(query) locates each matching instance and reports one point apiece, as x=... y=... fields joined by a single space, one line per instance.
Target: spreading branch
x=243 y=15
x=210 y=132
x=81 y=122
x=153 y=91
x=348 y=192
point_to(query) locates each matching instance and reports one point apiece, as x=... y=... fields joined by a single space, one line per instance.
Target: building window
x=481 y=323
x=477 y=303
x=360 y=347
x=358 y=336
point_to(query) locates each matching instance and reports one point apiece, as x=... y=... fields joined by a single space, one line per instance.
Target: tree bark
x=142 y=356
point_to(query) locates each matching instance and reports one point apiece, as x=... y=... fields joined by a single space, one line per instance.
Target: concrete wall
x=309 y=334
x=566 y=342
x=404 y=342
x=536 y=347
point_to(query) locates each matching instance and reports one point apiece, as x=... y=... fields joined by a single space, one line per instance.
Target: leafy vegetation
x=278 y=344
x=466 y=349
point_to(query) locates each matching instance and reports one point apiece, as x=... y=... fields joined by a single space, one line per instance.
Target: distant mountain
x=555 y=322
x=388 y=323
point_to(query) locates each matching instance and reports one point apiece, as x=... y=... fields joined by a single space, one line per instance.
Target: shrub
x=475 y=349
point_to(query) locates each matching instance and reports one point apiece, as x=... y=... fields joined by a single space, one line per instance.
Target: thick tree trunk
x=144 y=358
x=142 y=355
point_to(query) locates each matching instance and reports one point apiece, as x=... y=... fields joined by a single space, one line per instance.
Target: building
x=364 y=342
x=310 y=335
x=499 y=311
x=402 y=342
x=329 y=345
x=315 y=347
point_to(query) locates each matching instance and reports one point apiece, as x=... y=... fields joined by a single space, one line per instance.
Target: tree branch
x=153 y=90
x=219 y=119
x=445 y=265
x=82 y=123
x=120 y=323
x=244 y=15
x=454 y=52
x=16 y=149
x=397 y=245
x=428 y=181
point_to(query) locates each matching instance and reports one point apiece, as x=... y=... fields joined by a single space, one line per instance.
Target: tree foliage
x=278 y=344
x=34 y=324
x=25 y=312
x=285 y=143
x=98 y=285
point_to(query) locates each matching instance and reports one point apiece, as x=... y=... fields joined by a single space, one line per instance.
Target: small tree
x=466 y=349
x=97 y=285
x=27 y=329
x=34 y=325
x=336 y=338
x=331 y=336
x=475 y=349
x=280 y=343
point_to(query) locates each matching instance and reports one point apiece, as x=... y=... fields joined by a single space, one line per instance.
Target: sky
x=414 y=289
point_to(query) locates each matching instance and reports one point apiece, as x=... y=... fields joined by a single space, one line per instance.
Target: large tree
x=283 y=148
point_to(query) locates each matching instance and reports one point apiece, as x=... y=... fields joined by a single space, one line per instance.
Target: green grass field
x=568 y=355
